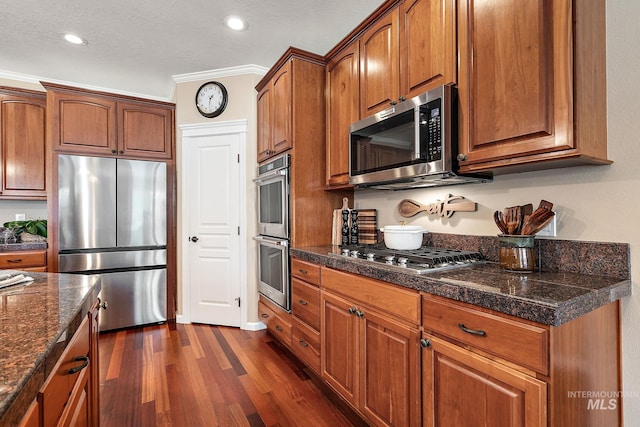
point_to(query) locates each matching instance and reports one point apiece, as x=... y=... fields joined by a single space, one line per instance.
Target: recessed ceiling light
x=72 y=38
x=235 y=22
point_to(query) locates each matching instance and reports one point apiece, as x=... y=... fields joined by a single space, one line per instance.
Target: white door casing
x=214 y=279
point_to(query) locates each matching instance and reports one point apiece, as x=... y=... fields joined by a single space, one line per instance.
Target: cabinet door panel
x=515 y=78
x=379 y=65
x=144 y=131
x=427 y=45
x=389 y=380
x=86 y=124
x=460 y=388
x=282 y=109
x=265 y=131
x=339 y=346
x=23 y=146
x=342 y=109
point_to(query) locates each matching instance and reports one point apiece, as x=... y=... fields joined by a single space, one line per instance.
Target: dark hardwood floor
x=201 y=375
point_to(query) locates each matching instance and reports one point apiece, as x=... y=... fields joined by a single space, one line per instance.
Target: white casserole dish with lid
x=402 y=237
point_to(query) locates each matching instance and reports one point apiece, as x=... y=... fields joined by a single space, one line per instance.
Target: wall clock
x=211 y=99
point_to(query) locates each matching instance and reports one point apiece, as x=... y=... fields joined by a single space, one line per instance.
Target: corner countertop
x=36 y=322
x=550 y=298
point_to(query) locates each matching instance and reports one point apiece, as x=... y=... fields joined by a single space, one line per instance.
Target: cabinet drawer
x=19 y=260
x=306 y=271
x=306 y=344
x=55 y=392
x=305 y=302
x=278 y=325
x=403 y=304
x=507 y=338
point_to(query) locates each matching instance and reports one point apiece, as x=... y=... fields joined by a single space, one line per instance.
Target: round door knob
x=462 y=157
x=194 y=239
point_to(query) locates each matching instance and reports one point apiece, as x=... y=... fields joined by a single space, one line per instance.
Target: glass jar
x=516 y=253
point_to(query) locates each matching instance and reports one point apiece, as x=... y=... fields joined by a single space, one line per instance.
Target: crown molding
x=221 y=72
x=36 y=79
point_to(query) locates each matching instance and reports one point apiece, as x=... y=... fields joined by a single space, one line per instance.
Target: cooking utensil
x=498 y=218
x=409 y=208
x=512 y=217
x=403 y=237
x=537 y=221
x=336 y=228
x=545 y=205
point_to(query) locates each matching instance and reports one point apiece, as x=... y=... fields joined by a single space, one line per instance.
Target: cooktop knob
x=402 y=261
x=355 y=254
x=389 y=259
x=370 y=256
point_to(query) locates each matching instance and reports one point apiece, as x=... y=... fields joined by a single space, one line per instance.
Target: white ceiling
x=136 y=46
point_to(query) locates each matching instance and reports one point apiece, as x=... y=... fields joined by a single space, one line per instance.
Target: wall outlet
x=549 y=230
x=20 y=217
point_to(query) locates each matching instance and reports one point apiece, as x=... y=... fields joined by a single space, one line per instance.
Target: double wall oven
x=273 y=226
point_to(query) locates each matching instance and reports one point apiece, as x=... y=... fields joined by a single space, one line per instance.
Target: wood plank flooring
x=201 y=375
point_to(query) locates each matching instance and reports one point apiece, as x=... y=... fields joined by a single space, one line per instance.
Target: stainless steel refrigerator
x=112 y=222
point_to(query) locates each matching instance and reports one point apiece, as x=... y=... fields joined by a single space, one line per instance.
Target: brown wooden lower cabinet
x=24 y=260
x=461 y=388
x=69 y=396
x=371 y=360
x=404 y=358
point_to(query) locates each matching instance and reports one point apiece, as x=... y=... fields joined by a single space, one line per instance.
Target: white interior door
x=212 y=203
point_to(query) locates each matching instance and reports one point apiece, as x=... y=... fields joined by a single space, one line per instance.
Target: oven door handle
x=271 y=241
x=269 y=175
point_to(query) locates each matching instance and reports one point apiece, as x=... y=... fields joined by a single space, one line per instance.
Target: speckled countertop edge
x=75 y=294
x=25 y=246
x=551 y=298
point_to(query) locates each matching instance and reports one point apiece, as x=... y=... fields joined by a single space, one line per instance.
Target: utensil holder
x=517 y=253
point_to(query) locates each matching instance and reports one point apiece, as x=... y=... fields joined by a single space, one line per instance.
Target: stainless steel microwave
x=412 y=144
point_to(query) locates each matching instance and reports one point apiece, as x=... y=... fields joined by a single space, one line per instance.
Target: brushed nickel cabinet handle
x=303 y=344
x=302 y=302
x=303 y=271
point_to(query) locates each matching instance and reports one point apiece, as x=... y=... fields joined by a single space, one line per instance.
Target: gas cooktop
x=423 y=260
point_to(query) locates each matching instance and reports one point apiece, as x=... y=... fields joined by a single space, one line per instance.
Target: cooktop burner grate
x=422 y=260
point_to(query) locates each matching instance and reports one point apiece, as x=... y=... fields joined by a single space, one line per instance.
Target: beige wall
x=593 y=203
x=242 y=105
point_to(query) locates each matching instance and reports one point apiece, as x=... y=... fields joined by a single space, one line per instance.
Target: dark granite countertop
x=26 y=246
x=36 y=322
x=550 y=298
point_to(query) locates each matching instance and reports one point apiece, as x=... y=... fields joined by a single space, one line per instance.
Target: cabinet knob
x=278 y=328
x=302 y=343
x=360 y=313
x=393 y=102
x=352 y=310
x=103 y=305
x=194 y=239
x=402 y=98
x=302 y=302
x=113 y=151
x=462 y=157
x=120 y=152
x=425 y=343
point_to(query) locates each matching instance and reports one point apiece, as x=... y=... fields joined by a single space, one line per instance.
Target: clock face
x=211 y=99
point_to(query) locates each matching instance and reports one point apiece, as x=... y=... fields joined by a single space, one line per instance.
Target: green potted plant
x=37 y=227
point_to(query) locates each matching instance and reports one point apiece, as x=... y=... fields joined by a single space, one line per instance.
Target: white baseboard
x=254 y=326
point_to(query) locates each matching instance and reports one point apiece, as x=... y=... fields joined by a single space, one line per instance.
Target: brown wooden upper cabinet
x=282 y=99
x=343 y=108
x=398 y=54
x=274 y=113
x=531 y=85
x=23 y=144
x=90 y=123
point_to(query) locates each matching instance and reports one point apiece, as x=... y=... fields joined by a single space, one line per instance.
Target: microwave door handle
x=417 y=154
